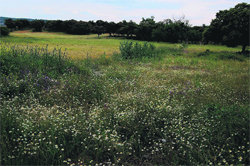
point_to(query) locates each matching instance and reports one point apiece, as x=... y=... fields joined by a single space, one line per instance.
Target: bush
x=131 y=50
x=4 y=31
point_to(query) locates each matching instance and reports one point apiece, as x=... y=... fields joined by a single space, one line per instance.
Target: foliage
x=127 y=28
x=172 y=31
x=22 y=24
x=55 y=26
x=10 y=24
x=195 y=33
x=99 y=30
x=145 y=28
x=148 y=29
x=111 y=28
x=168 y=30
x=4 y=31
x=131 y=50
x=230 y=27
x=18 y=24
x=75 y=27
x=37 y=25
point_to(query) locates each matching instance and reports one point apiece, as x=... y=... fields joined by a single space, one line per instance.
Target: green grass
x=178 y=108
x=81 y=46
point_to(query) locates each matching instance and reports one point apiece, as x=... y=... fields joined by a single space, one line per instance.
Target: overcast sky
x=198 y=12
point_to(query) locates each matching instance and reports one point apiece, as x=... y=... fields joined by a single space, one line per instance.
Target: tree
x=37 y=25
x=81 y=28
x=111 y=28
x=92 y=25
x=123 y=28
x=10 y=24
x=4 y=31
x=131 y=28
x=145 y=28
x=171 y=31
x=99 y=30
x=55 y=26
x=22 y=23
x=68 y=24
x=195 y=33
x=100 y=27
x=230 y=27
x=159 y=33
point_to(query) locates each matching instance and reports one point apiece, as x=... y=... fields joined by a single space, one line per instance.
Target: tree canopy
x=230 y=27
x=4 y=31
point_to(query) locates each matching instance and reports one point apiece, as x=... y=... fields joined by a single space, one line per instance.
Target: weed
x=130 y=50
x=180 y=110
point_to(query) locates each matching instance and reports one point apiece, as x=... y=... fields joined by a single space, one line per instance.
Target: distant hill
x=2 y=19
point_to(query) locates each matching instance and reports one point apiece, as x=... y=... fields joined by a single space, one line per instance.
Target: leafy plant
x=131 y=50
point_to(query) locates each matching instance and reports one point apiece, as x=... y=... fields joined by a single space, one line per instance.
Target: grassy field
x=189 y=105
x=81 y=46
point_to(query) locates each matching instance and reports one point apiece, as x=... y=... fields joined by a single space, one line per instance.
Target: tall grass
x=180 y=110
x=15 y=58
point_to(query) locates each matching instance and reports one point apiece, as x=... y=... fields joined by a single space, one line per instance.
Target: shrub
x=4 y=31
x=131 y=50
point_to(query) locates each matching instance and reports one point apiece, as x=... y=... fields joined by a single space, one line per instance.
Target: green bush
x=4 y=31
x=131 y=50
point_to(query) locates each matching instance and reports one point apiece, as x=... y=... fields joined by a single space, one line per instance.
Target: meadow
x=81 y=46
x=188 y=104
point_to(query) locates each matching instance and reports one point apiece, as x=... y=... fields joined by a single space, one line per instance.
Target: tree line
x=148 y=29
x=230 y=27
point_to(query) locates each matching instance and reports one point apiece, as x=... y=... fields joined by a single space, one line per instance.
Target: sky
x=198 y=12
